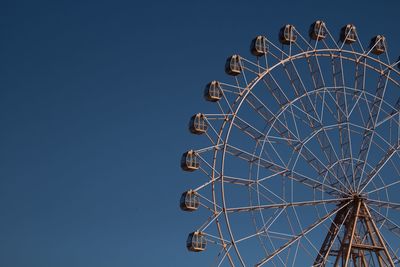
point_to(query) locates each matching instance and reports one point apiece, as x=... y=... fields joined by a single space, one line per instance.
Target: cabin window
x=317 y=30
x=378 y=45
x=198 y=124
x=213 y=91
x=348 y=34
x=287 y=34
x=189 y=161
x=196 y=242
x=232 y=66
x=259 y=46
x=189 y=201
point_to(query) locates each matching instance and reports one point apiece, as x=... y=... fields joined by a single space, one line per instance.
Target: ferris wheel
x=300 y=161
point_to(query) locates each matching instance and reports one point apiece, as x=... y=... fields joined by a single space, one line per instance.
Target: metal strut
x=360 y=244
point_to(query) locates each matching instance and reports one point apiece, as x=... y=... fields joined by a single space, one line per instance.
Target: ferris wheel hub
x=357 y=196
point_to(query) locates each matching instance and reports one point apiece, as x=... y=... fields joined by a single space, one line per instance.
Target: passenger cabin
x=198 y=124
x=259 y=46
x=213 y=91
x=378 y=45
x=287 y=34
x=348 y=34
x=233 y=66
x=189 y=201
x=189 y=161
x=196 y=242
x=317 y=30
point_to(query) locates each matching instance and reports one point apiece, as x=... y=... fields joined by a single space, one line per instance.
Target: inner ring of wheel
x=304 y=142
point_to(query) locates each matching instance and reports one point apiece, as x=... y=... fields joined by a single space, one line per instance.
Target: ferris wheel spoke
x=263 y=195
x=310 y=116
x=395 y=112
x=270 y=222
x=308 y=107
x=363 y=97
x=272 y=145
x=359 y=76
x=370 y=126
x=282 y=236
x=270 y=118
x=359 y=95
x=294 y=117
x=305 y=236
x=248 y=129
x=384 y=204
x=316 y=72
x=280 y=169
x=318 y=81
x=283 y=130
x=383 y=187
x=322 y=170
x=258 y=136
x=286 y=205
x=273 y=120
x=298 y=86
x=275 y=89
x=299 y=236
x=327 y=91
x=238 y=180
x=343 y=118
x=382 y=162
x=264 y=178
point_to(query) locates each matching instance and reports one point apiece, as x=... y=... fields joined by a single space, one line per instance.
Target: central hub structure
x=358 y=197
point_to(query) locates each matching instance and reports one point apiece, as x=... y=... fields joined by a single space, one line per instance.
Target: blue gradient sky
x=95 y=97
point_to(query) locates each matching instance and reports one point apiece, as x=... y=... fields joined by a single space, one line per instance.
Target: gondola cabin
x=377 y=45
x=189 y=161
x=348 y=34
x=198 y=124
x=259 y=46
x=233 y=66
x=189 y=201
x=317 y=30
x=213 y=91
x=287 y=34
x=196 y=242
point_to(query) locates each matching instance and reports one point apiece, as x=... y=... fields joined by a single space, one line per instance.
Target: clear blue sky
x=95 y=97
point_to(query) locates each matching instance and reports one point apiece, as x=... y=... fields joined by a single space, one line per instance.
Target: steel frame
x=354 y=228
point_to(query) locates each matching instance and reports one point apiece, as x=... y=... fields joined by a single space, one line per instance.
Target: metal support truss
x=354 y=239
